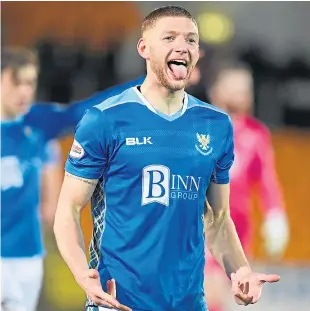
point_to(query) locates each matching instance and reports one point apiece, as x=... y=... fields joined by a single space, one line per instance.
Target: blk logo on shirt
x=132 y=141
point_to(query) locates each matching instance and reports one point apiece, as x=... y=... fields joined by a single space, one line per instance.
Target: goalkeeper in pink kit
x=232 y=91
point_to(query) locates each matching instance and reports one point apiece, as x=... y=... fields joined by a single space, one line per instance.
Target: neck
x=234 y=113
x=162 y=99
x=4 y=115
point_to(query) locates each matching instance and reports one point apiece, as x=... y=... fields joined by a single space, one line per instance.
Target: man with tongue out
x=155 y=162
x=178 y=68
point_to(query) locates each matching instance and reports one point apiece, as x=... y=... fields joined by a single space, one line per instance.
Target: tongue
x=179 y=71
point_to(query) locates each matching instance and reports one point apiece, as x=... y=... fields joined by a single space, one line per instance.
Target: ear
x=142 y=48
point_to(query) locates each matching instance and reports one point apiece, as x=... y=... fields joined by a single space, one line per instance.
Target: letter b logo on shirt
x=155 y=184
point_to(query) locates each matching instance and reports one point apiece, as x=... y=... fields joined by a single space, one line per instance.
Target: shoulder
x=44 y=108
x=206 y=108
x=210 y=113
x=257 y=126
x=120 y=104
x=38 y=111
x=113 y=91
x=91 y=124
x=118 y=101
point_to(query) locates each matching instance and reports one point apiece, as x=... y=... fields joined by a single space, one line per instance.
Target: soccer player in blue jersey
x=28 y=160
x=155 y=163
x=23 y=155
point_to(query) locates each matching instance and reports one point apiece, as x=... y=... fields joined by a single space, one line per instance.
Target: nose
x=181 y=46
x=182 y=50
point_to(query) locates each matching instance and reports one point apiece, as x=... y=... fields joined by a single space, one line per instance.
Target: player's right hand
x=90 y=283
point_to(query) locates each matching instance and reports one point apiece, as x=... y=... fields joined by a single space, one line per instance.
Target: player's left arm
x=275 y=228
x=221 y=236
x=51 y=180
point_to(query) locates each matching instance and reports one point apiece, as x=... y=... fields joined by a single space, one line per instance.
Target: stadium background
x=88 y=46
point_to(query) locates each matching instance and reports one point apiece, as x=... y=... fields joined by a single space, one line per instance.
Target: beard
x=160 y=72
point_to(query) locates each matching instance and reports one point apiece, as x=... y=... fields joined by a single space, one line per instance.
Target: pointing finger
x=270 y=278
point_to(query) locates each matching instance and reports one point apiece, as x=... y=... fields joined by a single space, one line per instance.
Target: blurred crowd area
x=87 y=47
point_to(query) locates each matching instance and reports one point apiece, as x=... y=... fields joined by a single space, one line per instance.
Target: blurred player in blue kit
x=155 y=163
x=30 y=160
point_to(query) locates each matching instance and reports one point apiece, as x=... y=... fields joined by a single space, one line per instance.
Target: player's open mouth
x=178 y=68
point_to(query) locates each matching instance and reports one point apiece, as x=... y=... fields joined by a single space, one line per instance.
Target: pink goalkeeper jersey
x=254 y=165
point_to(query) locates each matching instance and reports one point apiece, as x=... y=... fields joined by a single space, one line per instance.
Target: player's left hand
x=247 y=285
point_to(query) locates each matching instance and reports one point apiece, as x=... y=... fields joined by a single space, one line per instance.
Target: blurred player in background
x=30 y=160
x=147 y=158
x=195 y=85
x=254 y=165
x=23 y=158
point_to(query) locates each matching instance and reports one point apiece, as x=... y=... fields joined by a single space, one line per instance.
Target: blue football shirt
x=23 y=155
x=147 y=209
x=25 y=149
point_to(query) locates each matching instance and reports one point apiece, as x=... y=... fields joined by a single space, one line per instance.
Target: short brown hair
x=166 y=11
x=15 y=58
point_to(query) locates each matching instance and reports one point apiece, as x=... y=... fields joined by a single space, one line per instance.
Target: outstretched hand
x=92 y=286
x=247 y=285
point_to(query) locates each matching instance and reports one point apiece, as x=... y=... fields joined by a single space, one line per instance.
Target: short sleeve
x=88 y=155
x=224 y=163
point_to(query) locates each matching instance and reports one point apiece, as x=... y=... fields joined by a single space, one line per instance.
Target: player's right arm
x=84 y=167
x=74 y=195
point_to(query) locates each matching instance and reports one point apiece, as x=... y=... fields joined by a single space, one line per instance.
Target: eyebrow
x=175 y=32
